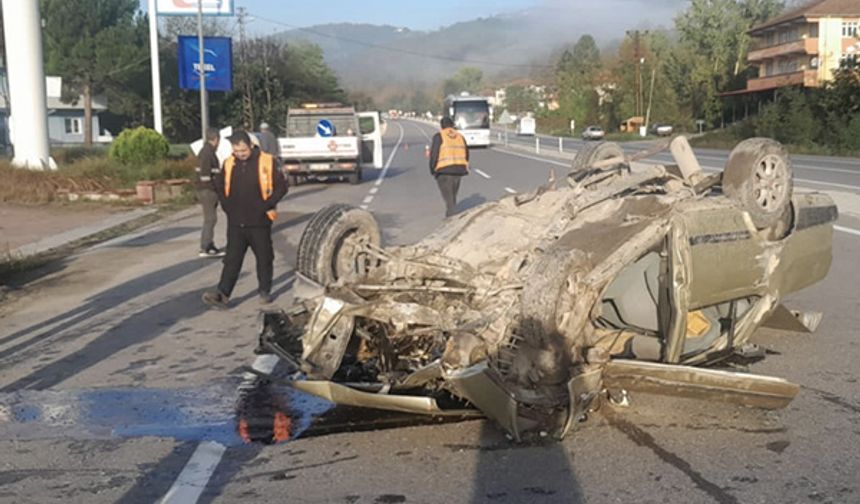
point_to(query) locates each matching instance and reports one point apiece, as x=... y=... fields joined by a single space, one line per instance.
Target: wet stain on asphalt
x=390 y=499
x=644 y=439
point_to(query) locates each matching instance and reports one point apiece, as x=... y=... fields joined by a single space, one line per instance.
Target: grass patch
x=90 y=173
x=728 y=138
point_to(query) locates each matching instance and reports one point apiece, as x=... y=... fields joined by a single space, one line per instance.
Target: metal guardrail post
x=537 y=145
x=560 y=145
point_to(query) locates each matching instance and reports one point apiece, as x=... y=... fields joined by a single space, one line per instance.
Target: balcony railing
x=806 y=78
x=802 y=46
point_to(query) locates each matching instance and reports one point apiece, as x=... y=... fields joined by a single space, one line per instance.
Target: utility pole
x=247 y=99
x=638 y=60
x=154 y=67
x=204 y=102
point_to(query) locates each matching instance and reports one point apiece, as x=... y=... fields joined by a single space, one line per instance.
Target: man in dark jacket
x=249 y=188
x=208 y=167
x=449 y=161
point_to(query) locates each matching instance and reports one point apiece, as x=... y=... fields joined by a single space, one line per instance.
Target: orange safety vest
x=266 y=167
x=452 y=151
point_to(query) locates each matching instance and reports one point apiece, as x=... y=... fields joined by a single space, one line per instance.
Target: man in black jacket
x=449 y=161
x=208 y=167
x=249 y=188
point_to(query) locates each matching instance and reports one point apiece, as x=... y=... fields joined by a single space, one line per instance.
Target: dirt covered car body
x=529 y=309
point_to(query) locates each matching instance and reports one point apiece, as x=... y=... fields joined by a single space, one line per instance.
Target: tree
x=91 y=43
x=466 y=79
x=520 y=99
x=576 y=79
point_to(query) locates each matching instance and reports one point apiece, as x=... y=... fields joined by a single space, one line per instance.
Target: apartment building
x=804 y=46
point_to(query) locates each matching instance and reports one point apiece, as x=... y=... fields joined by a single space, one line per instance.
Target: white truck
x=329 y=140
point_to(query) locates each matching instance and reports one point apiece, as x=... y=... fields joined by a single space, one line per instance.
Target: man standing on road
x=208 y=167
x=268 y=142
x=449 y=160
x=249 y=188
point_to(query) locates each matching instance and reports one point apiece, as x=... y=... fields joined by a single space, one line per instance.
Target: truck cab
x=330 y=140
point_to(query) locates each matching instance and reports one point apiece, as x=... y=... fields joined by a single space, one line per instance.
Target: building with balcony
x=804 y=46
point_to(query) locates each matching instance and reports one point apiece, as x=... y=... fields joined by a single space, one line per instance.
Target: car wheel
x=758 y=176
x=355 y=177
x=332 y=244
x=594 y=152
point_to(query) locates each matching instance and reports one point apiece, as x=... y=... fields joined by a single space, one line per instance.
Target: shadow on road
x=509 y=472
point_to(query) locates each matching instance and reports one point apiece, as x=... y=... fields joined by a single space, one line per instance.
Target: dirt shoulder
x=23 y=224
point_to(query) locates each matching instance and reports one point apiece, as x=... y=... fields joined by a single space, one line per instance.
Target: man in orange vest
x=249 y=188
x=449 y=161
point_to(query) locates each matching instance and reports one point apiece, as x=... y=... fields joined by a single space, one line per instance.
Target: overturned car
x=532 y=309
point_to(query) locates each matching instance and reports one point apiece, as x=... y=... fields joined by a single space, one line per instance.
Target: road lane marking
x=533 y=158
x=509 y=190
x=850 y=231
x=481 y=173
x=192 y=481
x=369 y=198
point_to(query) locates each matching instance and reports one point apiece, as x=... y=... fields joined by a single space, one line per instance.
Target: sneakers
x=266 y=298
x=212 y=251
x=216 y=300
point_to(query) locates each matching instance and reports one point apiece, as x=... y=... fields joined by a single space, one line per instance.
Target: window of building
x=849 y=61
x=813 y=30
x=74 y=125
x=849 y=29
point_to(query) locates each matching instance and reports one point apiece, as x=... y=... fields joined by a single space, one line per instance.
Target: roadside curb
x=161 y=223
x=62 y=239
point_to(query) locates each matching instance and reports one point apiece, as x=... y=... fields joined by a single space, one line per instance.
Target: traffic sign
x=325 y=128
x=189 y=7
x=505 y=118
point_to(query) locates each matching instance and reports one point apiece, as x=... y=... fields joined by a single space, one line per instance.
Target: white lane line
x=363 y=207
x=481 y=173
x=384 y=171
x=191 y=482
x=510 y=191
x=367 y=200
x=533 y=158
x=850 y=231
x=374 y=190
x=423 y=132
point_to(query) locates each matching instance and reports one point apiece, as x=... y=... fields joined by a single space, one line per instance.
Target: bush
x=139 y=146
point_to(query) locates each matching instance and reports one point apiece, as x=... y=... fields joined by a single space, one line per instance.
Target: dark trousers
x=449 y=185
x=238 y=241
x=209 y=201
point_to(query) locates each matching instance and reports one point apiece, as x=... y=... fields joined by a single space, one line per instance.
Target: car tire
x=758 y=175
x=355 y=176
x=592 y=153
x=327 y=249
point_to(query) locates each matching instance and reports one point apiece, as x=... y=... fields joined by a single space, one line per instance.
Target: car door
x=369 y=126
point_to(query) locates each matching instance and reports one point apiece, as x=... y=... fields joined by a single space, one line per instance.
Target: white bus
x=472 y=116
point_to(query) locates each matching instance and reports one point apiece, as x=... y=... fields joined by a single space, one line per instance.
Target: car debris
x=534 y=309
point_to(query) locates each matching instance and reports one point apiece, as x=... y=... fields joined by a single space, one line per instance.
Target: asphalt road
x=118 y=385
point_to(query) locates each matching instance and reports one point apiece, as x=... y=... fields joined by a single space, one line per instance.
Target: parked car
x=536 y=308
x=660 y=129
x=593 y=133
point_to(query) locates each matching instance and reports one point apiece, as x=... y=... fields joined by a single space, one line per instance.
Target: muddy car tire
x=758 y=176
x=327 y=249
x=592 y=153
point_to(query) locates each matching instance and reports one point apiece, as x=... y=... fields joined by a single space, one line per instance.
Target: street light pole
x=154 y=64
x=204 y=105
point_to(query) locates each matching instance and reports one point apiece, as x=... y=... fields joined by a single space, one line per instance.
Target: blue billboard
x=217 y=60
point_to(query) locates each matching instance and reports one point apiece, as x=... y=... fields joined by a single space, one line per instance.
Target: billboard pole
x=26 y=77
x=156 y=70
x=204 y=105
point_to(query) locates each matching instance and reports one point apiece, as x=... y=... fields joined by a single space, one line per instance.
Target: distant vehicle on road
x=593 y=133
x=526 y=126
x=330 y=140
x=660 y=129
x=472 y=116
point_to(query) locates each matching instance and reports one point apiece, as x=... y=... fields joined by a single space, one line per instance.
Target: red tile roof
x=815 y=8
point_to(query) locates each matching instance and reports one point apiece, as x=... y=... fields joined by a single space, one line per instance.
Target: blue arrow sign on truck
x=325 y=128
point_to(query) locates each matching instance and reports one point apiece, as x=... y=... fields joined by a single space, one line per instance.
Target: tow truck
x=325 y=140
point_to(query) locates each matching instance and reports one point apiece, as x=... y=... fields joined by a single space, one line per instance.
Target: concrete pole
x=204 y=102
x=156 y=70
x=29 y=115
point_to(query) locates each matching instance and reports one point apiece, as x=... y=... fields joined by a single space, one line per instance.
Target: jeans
x=209 y=201
x=449 y=185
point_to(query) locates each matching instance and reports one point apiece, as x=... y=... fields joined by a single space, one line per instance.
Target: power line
x=400 y=50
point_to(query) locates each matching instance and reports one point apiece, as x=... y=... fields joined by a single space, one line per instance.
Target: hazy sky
x=432 y=14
